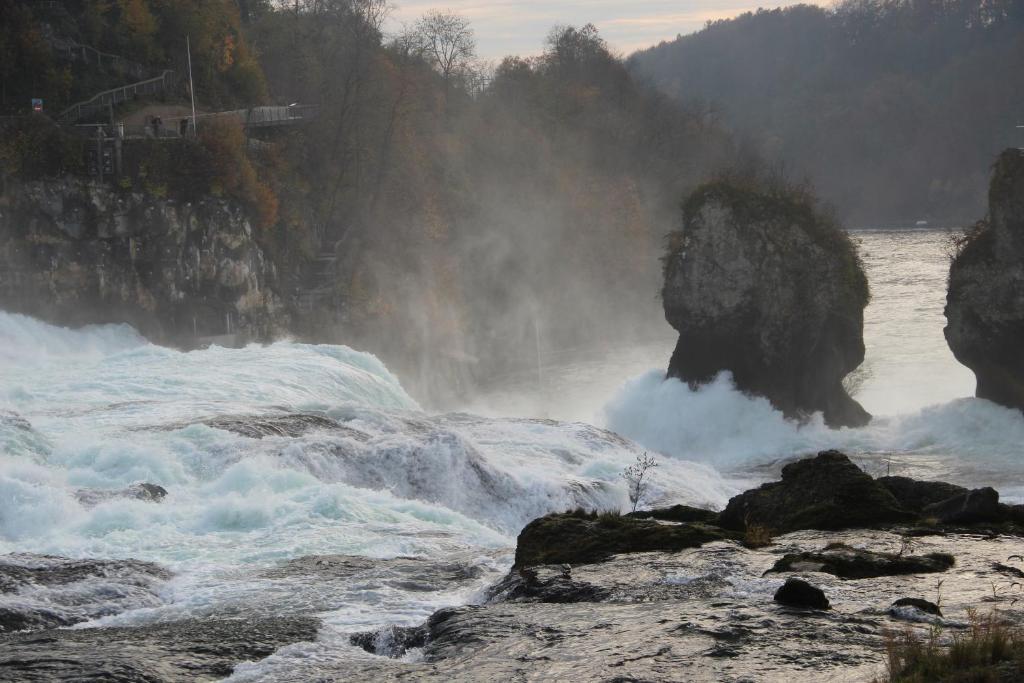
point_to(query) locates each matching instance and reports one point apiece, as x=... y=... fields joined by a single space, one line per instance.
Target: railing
x=268 y=116
x=108 y=98
x=89 y=54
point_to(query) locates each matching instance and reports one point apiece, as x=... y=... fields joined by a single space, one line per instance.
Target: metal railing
x=269 y=116
x=90 y=55
x=108 y=98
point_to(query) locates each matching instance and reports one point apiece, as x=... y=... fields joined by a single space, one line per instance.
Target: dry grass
x=990 y=651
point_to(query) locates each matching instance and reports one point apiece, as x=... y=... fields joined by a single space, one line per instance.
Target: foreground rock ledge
x=985 y=303
x=669 y=595
x=760 y=283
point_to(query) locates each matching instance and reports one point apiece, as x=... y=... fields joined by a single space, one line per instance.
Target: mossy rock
x=583 y=538
x=826 y=492
x=678 y=513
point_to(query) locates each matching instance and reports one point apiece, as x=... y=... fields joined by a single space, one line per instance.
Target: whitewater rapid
x=101 y=409
x=377 y=476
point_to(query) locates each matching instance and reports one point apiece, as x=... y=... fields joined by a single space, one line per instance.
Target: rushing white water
x=101 y=408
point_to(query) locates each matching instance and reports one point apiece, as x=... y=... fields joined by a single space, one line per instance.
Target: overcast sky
x=505 y=27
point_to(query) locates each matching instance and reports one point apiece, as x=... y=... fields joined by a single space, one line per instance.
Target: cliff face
x=985 y=302
x=759 y=284
x=74 y=253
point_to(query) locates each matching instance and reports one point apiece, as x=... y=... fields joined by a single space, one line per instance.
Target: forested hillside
x=445 y=222
x=893 y=108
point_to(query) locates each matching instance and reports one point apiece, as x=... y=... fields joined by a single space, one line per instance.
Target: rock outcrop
x=74 y=253
x=760 y=283
x=824 y=492
x=847 y=562
x=579 y=538
x=970 y=507
x=985 y=302
x=915 y=495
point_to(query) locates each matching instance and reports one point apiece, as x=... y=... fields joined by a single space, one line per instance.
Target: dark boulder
x=762 y=284
x=678 y=513
x=799 y=593
x=1012 y=513
x=971 y=507
x=914 y=495
x=824 y=492
x=985 y=301
x=855 y=563
x=581 y=538
x=918 y=603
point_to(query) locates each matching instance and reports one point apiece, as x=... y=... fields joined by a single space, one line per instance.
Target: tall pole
x=191 y=85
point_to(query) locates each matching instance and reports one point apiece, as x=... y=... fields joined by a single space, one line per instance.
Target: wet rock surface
x=150 y=493
x=970 y=507
x=195 y=650
x=700 y=614
x=578 y=538
x=858 y=563
x=42 y=591
x=406 y=573
x=915 y=495
x=824 y=492
x=985 y=301
x=920 y=604
x=760 y=283
x=290 y=425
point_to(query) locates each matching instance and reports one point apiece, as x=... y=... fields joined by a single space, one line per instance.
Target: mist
x=499 y=216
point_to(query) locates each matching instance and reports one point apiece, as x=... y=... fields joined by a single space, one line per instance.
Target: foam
x=971 y=441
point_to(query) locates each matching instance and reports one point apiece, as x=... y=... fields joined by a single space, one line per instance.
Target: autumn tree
x=446 y=41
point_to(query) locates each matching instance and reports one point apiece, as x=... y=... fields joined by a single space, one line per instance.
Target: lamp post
x=191 y=85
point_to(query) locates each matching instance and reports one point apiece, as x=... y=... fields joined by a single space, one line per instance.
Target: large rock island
x=761 y=283
x=985 y=303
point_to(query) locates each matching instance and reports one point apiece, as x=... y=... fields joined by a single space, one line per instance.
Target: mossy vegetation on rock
x=580 y=537
x=985 y=301
x=761 y=282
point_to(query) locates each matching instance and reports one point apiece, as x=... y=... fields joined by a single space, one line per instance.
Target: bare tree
x=446 y=40
x=635 y=475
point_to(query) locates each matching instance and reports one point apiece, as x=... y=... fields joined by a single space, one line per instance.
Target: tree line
x=893 y=108
x=467 y=217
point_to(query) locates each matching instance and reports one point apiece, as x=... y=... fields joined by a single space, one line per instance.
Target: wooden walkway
x=103 y=101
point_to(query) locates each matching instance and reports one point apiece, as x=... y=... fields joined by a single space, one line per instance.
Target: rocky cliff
x=760 y=283
x=74 y=253
x=985 y=302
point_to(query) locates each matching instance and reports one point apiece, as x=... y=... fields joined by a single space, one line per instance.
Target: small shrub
x=635 y=476
x=958 y=242
x=908 y=544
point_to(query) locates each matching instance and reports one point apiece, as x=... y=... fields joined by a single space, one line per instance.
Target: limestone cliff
x=758 y=282
x=73 y=253
x=985 y=302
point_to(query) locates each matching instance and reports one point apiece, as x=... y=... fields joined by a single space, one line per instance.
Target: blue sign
x=37 y=105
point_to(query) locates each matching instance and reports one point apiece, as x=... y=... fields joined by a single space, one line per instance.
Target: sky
x=505 y=27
